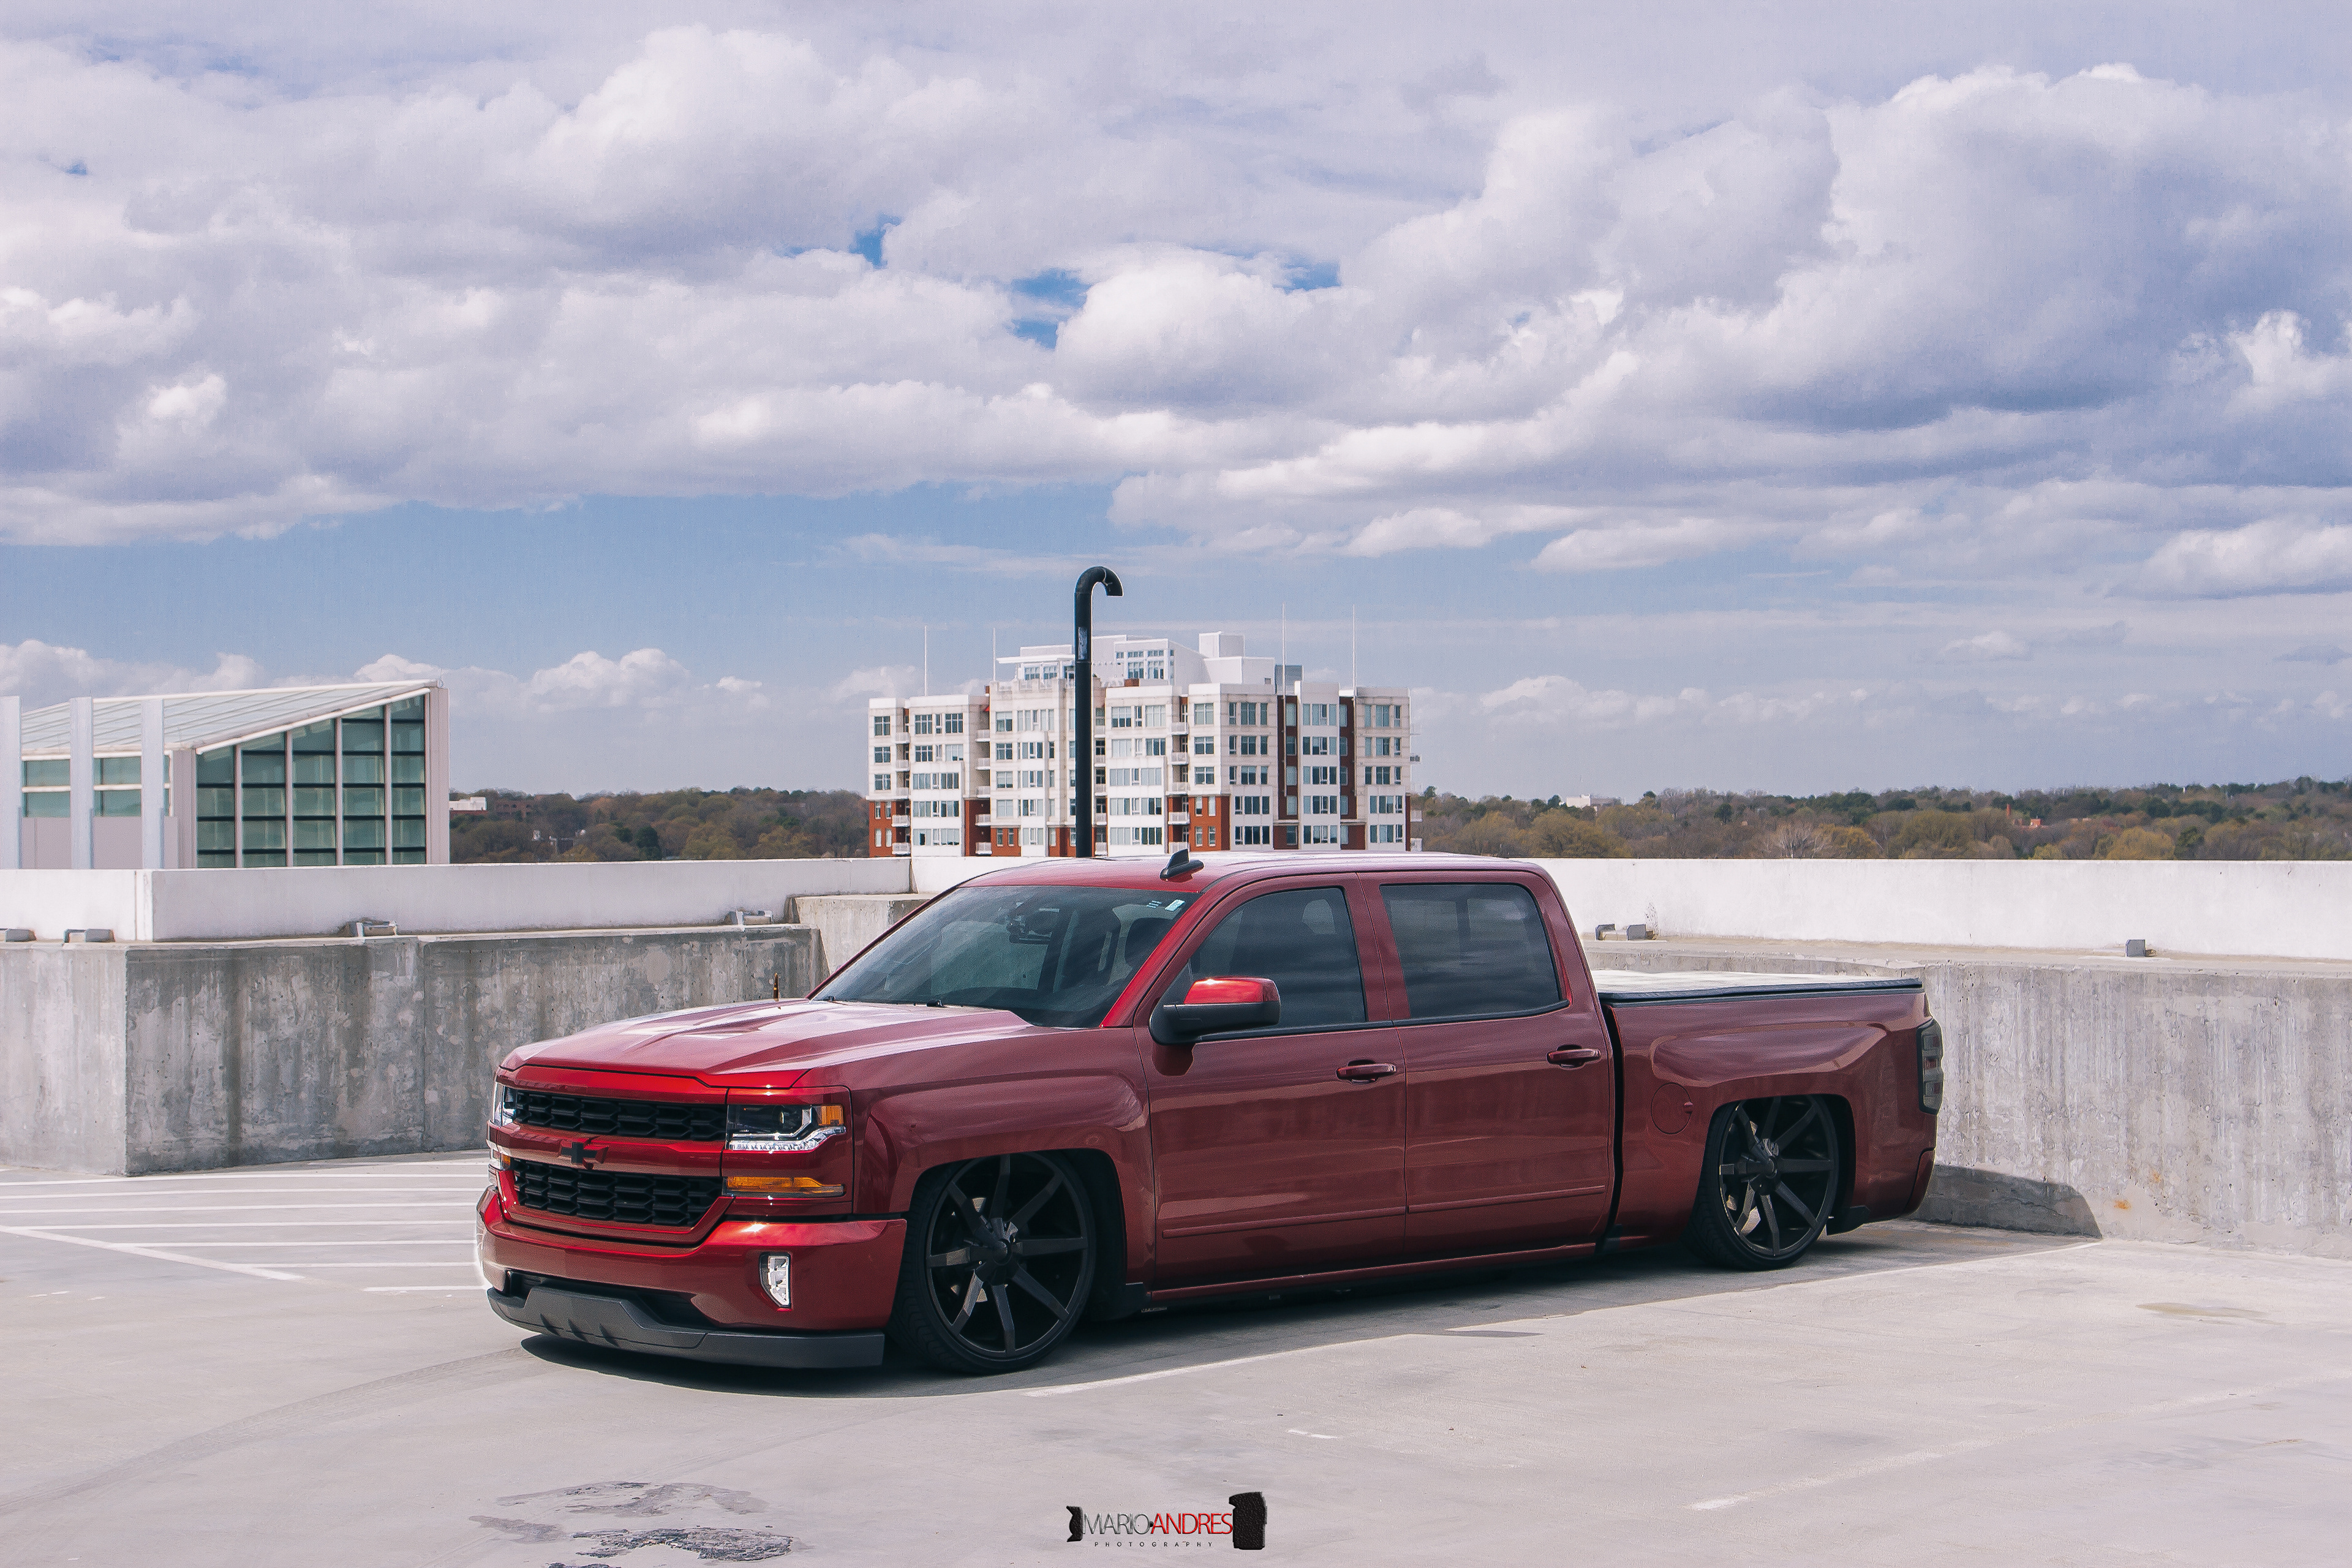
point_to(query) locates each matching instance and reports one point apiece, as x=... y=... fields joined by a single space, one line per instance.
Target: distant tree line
x=2303 y=819
x=675 y=825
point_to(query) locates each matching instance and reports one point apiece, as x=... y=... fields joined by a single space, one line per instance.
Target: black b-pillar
x=1082 y=770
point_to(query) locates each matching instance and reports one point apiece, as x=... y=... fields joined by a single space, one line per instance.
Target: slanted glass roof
x=204 y=719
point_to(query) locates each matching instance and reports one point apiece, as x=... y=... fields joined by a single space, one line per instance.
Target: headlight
x=502 y=1104
x=782 y=1129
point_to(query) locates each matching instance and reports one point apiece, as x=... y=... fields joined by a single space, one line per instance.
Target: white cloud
x=881 y=681
x=605 y=263
x=42 y=673
x=2273 y=556
x=1983 y=648
x=1651 y=544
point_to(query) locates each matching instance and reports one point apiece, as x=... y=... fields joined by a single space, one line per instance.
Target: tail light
x=787 y=1148
x=1931 y=1067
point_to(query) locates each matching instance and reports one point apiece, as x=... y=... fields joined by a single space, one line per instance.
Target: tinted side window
x=1303 y=941
x=1469 y=948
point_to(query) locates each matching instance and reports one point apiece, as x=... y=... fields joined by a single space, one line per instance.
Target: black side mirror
x=1215 y=1007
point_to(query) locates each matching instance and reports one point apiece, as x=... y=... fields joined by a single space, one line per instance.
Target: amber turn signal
x=784 y=1187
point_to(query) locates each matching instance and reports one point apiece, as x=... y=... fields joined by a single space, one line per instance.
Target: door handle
x=1573 y=1056
x=1365 y=1072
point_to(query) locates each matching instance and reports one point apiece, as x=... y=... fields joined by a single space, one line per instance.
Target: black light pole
x=1084 y=770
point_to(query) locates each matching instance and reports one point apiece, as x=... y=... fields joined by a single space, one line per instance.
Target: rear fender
x=1709 y=1071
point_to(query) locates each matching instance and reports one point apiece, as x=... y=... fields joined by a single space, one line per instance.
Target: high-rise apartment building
x=1212 y=748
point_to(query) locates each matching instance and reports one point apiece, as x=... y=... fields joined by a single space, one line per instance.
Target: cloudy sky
x=1794 y=396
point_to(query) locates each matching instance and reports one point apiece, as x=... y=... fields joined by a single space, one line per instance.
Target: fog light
x=776 y=1277
x=784 y=1187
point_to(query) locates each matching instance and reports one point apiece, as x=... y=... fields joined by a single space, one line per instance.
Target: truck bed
x=1634 y=988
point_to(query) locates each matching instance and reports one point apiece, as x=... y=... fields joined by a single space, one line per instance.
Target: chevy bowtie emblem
x=579 y=1154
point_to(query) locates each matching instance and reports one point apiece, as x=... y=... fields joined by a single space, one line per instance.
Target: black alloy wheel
x=1000 y=1262
x=1769 y=1184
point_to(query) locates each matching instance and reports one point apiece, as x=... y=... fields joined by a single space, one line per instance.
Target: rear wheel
x=1000 y=1261
x=1769 y=1184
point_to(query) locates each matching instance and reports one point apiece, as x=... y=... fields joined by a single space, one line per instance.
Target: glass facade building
x=348 y=776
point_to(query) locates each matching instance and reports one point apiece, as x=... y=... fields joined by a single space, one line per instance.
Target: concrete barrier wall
x=2276 y=909
x=2269 y=908
x=319 y=901
x=2156 y=1101
x=50 y=903
x=846 y=924
x=171 y=1057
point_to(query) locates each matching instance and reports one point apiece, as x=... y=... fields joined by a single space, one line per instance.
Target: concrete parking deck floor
x=281 y=1370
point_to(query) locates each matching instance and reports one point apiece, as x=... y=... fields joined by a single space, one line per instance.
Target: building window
x=881 y=723
x=1245 y=836
x=950 y=723
x=407 y=758
x=1385 y=833
x=1322 y=833
x=1253 y=805
x=1004 y=723
x=365 y=841
x=1322 y=806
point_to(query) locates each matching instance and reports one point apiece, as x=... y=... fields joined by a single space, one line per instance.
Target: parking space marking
x=1058 y=1388
x=340 y=1228
x=1977 y=1445
x=17 y=1214
x=256 y=1270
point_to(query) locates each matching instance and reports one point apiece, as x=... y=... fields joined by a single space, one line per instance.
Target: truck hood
x=776 y=1039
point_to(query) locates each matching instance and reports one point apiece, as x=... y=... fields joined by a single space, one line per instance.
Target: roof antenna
x=1181 y=864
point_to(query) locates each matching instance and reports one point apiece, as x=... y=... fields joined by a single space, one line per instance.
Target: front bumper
x=619 y=1323
x=845 y=1280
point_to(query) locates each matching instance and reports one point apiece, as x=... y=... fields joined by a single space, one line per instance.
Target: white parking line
x=17 y=1214
x=478 y=1283
x=1974 y=1444
x=473 y=1162
x=226 y=1268
x=254 y=1224
x=327 y=1224
x=115 y=1194
x=1050 y=1391
x=381 y=1241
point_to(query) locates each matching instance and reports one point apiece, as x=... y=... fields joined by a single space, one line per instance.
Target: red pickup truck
x=1076 y=1089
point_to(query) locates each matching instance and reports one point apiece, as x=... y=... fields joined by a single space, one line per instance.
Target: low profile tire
x=1769 y=1183
x=1000 y=1263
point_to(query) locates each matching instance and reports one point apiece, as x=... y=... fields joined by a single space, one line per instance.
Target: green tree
x=1562 y=836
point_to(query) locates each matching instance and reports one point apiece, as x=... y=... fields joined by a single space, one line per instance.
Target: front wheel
x=1001 y=1256
x=1768 y=1183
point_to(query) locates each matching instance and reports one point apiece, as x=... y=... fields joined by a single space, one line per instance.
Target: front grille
x=618 y=1197
x=671 y=1120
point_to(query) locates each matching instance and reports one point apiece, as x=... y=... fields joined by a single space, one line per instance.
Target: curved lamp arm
x=1082 y=769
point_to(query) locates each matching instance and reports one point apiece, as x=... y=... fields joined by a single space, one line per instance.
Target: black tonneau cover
x=1636 y=988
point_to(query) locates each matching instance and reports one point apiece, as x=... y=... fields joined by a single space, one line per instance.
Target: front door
x=1269 y=1161
x=1511 y=1111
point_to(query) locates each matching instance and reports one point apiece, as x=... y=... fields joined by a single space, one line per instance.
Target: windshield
x=1054 y=955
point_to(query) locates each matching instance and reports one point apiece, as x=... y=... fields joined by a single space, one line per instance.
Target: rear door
x=1269 y=1161
x=1511 y=1108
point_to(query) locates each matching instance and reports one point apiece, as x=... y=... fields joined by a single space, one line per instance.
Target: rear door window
x=1302 y=940
x=1471 y=949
